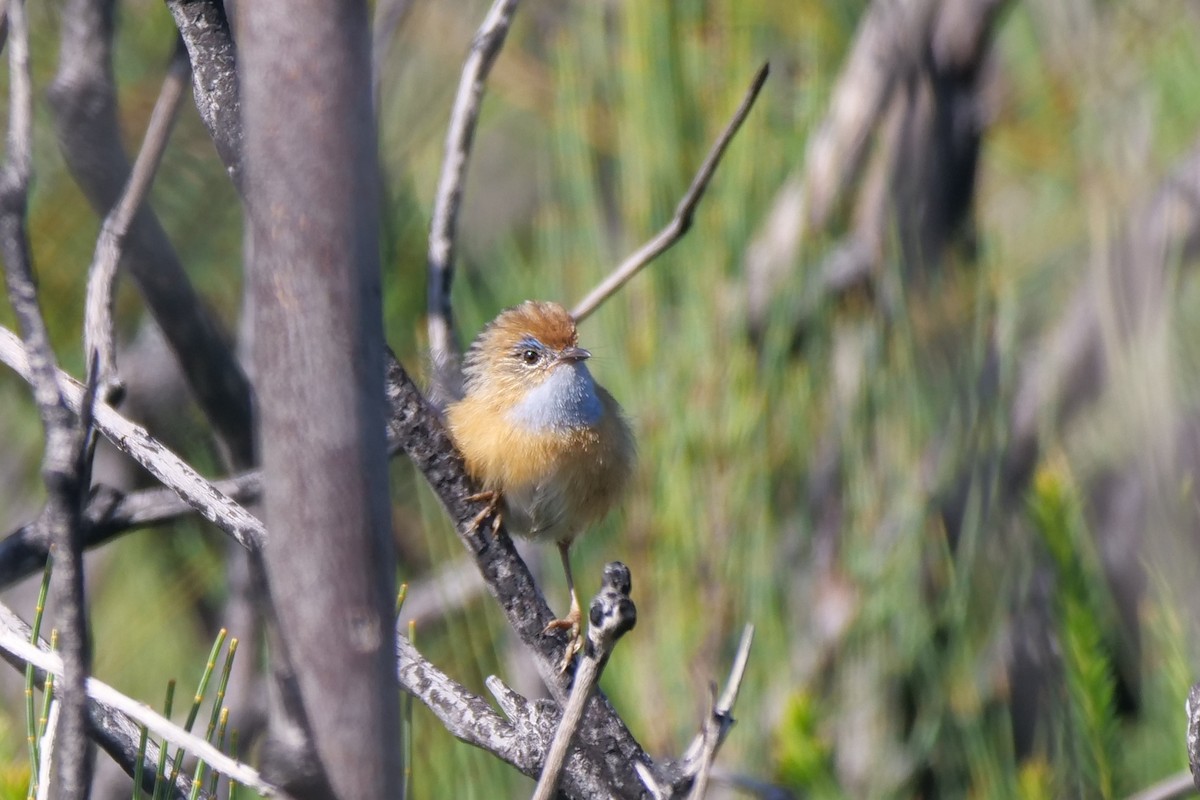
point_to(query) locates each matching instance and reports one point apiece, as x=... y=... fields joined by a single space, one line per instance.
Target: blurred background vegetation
x=793 y=470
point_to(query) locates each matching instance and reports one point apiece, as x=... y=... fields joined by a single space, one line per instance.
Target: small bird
x=550 y=446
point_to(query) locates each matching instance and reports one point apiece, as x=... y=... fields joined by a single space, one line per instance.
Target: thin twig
x=132 y=439
x=611 y=616
x=98 y=329
x=83 y=101
x=698 y=759
x=109 y=514
x=444 y=347
x=61 y=462
x=103 y=693
x=682 y=221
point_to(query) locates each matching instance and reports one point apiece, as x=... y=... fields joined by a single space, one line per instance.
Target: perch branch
x=611 y=616
x=444 y=347
x=415 y=423
x=682 y=221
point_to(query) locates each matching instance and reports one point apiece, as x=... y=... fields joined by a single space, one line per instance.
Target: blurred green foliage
x=878 y=667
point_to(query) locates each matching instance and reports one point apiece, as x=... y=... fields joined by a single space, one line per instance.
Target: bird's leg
x=492 y=509
x=573 y=622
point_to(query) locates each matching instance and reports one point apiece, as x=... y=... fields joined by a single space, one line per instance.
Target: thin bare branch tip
x=682 y=221
x=444 y=345
x=99 y=325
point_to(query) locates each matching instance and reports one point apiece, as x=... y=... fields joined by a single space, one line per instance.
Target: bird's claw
x=492 y=509
x=573 y=625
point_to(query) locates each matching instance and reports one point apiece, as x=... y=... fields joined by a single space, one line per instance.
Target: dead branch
x=132 y=439
x=83 y=101
x=63 y=470
x=113 y=730
x=444 y=347
x=681 y=223
x=98 y=326
x=611 y=616
x=204 y=28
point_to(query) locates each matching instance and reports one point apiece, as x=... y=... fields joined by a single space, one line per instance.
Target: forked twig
x=682 y=221
x=611 y=616
x=444 y=347
x=697 y=761
x=98 y=334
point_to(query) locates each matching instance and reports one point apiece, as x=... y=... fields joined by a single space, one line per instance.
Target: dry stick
x=141 y=713
x=682 y=221
x=132 y=439
x=611 y=616
x=699 y=757
x=47 y=748
x=82 y=98
x=109 y=514
x=444 y=346
x=113 y=730
x=98 y=329
x=61 y=462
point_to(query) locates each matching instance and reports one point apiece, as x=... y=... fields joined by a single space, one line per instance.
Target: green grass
x=878 y=668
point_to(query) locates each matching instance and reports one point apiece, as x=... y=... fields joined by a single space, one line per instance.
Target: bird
x=549 y=446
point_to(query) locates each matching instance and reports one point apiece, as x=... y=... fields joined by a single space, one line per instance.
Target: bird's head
x=528 y=359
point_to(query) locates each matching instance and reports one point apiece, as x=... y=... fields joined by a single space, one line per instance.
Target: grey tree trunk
x=312 y=251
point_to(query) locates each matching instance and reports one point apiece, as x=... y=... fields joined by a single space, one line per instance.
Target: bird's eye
x=530 y=356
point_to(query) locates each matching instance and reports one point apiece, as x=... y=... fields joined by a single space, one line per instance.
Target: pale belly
x=544 y=511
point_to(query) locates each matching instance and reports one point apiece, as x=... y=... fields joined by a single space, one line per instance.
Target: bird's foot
x=573 y=625
x=492 y=509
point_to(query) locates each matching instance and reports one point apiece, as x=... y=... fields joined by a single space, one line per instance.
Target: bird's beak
x=573 y=354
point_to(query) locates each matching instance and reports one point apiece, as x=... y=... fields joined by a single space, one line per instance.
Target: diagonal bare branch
x=98 y=328
x=132 y=439
x=114 y=731
x=611 y=616
x=103 y=693
x=110 y=513
x=83 y=104
x=682 y=221
x=444 y=346
x=204 y=27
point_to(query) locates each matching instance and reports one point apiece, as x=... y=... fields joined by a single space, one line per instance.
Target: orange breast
x=555 y=482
